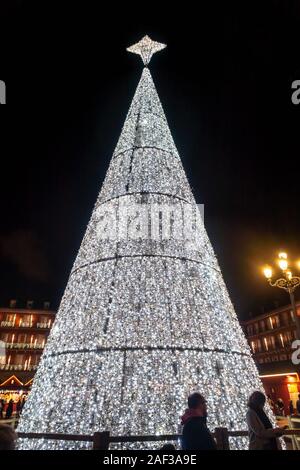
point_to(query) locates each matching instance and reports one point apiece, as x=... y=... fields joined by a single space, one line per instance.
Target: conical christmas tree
x=145 y=319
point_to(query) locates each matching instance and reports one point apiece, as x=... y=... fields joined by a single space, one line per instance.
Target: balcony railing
x=24 y=345
x=7 y=323
x=11 y=324
x=267 y=332
x=19 y=324
x=18 y=367
x=43 y=325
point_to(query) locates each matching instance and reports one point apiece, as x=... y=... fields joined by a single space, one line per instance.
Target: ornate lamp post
x=286 y=281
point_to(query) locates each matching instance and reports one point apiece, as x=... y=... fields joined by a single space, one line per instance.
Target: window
x=266 y=344
x=28 y=362
x=270 y=323
x=276 y=321
x=285 y=318
x=45 y=321
x=12 y=338
x=256 y=327
x=295 y=334
x=259 y=346
x=10 y=317
x=262 y=325
x=250 y=330
x=26 y=320
x=21 y=338
x=40 y=340
x=281 y=340
x=272 y=342
x=292 y=315
x=253 y=346
x=36 y=359
x=2 y=353
x=19 y=359
x=289 y=336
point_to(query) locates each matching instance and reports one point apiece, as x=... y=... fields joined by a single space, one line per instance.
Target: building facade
x=270 y=337
x=23 y=334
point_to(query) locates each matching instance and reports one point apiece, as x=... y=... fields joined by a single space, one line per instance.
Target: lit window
x=10 y=317
x=289 y=336
x=276 y=321
x=281 y=340
x=272 y=341
x=292 y=315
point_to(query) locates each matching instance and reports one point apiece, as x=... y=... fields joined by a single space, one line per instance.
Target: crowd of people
x=195 y=433
x=278 y=406
x=7 y=409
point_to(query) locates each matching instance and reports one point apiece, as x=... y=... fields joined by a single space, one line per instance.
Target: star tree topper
x=146 y=48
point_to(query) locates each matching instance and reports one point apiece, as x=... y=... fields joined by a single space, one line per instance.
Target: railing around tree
x=102 y=440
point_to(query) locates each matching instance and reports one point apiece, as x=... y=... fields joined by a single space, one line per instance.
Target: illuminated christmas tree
x=145 y=319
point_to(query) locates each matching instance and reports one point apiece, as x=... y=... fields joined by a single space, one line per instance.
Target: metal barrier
x=294 y=423
x=102 y=440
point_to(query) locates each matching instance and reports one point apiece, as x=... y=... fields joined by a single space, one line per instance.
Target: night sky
x=225 y=84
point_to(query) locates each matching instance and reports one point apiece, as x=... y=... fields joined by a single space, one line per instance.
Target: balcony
x=17 y=367
x=277 y=330
x=25 y=324
x=10 y=324
x=43 y=325
x=25 y=345
x=7 y=323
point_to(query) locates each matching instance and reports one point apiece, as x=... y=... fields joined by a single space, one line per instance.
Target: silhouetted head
x=196 y=401
x=257 y=400
x=168 y=447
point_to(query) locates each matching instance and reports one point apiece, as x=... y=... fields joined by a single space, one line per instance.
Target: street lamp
x=286 y=281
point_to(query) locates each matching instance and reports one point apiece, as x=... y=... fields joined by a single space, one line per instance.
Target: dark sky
x=225 y=85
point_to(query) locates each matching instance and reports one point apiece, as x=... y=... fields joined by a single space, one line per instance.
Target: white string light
x=141 y=324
